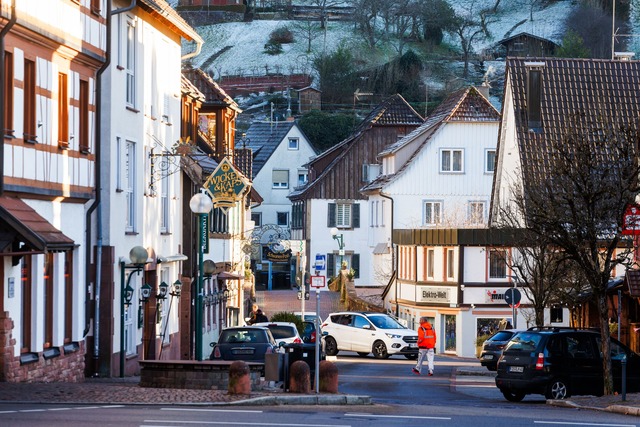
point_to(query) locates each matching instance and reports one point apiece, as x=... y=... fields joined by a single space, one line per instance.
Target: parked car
x=248 y=343
x=493 y=346
x=309 y=315
x=368 y=332
x=283 y=332
x=309 y=334
x=560 y=362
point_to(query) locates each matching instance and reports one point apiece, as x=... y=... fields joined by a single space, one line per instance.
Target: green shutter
x=331 y=215
x=355 y=264
x=356 y=215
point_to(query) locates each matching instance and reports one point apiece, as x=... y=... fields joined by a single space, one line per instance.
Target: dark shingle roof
x=569 y=86
x=263 y=138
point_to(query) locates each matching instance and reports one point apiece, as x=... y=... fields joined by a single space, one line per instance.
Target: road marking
x=242 y=423
x=567 y=423
x=211 y=410
x=32 y=410
x=396 y=416
x=8 y=412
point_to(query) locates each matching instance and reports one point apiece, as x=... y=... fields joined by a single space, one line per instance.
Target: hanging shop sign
x=226 y=185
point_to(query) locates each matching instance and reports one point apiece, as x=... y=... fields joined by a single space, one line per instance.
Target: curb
x=301 y=400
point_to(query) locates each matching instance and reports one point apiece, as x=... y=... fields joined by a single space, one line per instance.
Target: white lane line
x=8 y=412
x=212 y=410
x=396 y=416
x=242 y=423
x=112 y=406
x=87 y=407
x=61 y=409
x=32 y=410
x=568 y=423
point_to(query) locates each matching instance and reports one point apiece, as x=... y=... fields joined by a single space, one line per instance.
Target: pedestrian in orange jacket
x=426 y=346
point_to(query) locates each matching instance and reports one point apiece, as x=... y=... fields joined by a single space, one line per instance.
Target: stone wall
x=62 y=364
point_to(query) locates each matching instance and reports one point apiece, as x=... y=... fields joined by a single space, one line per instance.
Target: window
x=83 y=141
x=8 y=94
x=283 y=218
x=534 y=95
x=68 y=297
x=432 y=213
x=130 y=183
x=95 y=6
x=164 y=201
x=29 y=124
x=63 y=111
x=26 y=277
x=370 y=172
x=451 y=160
x=497 y=264
x=303 y=175
x=476 y=213
x=256 y=217
x=343 y=215
x=451 y=263
x=48 y=300
x=130 y=64
x=129 y=315
x=280 y=178
x=490 y=161
x=118 y=164
x=219 y=221
x=294 y=143
x=297 y=215
x=431 y=253
x=557 y=314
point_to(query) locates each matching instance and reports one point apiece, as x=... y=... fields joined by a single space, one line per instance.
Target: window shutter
x=355 y=212
x=331 y=215
x=355 y=264
x=330 y=265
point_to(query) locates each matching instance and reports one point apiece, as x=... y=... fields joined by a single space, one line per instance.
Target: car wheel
x=411 y=356
x=513 y=396
x=362 y=354
x=330 y=346
x=557 y=389
x=379 y=350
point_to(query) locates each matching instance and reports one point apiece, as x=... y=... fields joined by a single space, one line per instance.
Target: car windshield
x=282 y=331
x=383 y=321
x=501 y=336
x=242 y=336
x=524 y=341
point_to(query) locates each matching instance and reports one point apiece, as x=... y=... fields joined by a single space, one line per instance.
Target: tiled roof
x=633 y=281
x=213 y=93
x=162 y=8
x=263 y=138
x=188 y=87
x=569 y=86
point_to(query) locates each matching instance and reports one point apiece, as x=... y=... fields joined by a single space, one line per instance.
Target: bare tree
x=307 y=30
x=471 y=25
x=577 y=204
x=365 y=15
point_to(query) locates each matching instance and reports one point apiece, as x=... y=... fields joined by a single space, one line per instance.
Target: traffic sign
x=317 y=281
x=512 y=297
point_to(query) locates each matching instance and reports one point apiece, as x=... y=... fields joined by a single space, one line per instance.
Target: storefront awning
x=228 y=276
x=19 y=221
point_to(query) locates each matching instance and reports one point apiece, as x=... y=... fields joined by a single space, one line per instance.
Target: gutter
x=394 y=258
x=3 y=34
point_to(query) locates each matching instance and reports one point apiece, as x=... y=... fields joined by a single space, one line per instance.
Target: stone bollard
x=239 y=378
x=299 y=377
x=328 y=377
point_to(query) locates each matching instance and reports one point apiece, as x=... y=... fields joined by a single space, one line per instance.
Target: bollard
x=624 y=377
x=328 y=377
x=300 y=380
x=239 y=378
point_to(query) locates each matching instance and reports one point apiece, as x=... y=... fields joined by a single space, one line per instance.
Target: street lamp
x=340 y=239
x=138 y=257
x=201 y=205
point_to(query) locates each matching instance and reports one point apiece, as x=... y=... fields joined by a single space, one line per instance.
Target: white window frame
x=294 y=143
x=489 y=167
x=119 y=170
x=303 y=176
x=476 y=207
x=491 y=259
x=130 y=57
x=448 y=161
x=130 y=186
x=451 y=263
x=344 y=215
x=259 y=222
x=431 y=212
x=279 y=184
x=431 y=263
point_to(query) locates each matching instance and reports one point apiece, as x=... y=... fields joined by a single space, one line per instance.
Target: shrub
x=287 y=316
x=281 y=35
x=273 y=48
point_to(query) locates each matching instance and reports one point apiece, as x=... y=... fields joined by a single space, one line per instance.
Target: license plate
x=413 y=345
x=488 y=357
x=243 y=351
x=516 y=368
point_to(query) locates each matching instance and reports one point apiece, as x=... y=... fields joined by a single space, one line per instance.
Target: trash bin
x=274 y=367
x=300 y=351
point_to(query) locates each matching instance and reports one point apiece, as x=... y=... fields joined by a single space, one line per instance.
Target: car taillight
x=216 y=352
x=313 y=337
x=297 y=341
x=540 y=362
x=323 y=325
x=269 y=350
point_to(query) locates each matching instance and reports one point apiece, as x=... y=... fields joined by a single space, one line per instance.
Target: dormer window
x=534 y=95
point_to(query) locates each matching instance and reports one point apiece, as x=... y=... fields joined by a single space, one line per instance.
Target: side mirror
x=212 y=344
x=281 y=344
x=366 y=327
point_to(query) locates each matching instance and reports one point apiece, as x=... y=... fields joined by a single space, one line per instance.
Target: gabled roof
x=393 y=111
x=214 y=94
x=524 y=34
x=464 y=105
x=569 y=86
x=263 y=138
x=163 y=11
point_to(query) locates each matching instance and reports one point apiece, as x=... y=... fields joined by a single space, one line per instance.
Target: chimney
x=484 y=88
x=623 y=56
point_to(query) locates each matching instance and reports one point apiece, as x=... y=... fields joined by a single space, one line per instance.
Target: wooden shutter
x=330 y=265
x=355 y=264
x=355 y=212
x=331 y=215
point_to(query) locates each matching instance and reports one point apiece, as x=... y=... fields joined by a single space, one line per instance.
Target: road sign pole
x=318 y=338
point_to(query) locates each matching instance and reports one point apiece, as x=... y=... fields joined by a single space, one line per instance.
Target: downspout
x=96 y=203
x=394 y=257
x=199 y=42
x=3 y=33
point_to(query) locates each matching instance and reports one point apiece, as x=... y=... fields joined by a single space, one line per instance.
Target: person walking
x=426 y=346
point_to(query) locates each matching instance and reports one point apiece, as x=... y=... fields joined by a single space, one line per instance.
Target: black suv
x=560 y=362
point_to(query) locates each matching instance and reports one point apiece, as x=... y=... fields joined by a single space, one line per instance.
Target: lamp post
x=138 y=257
x=201 y=205
x=340 y=239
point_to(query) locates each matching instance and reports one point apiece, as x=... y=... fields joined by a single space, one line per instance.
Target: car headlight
x=393 y=336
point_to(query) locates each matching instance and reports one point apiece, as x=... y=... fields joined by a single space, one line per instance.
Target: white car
x=368 y=332
x=283 y=332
